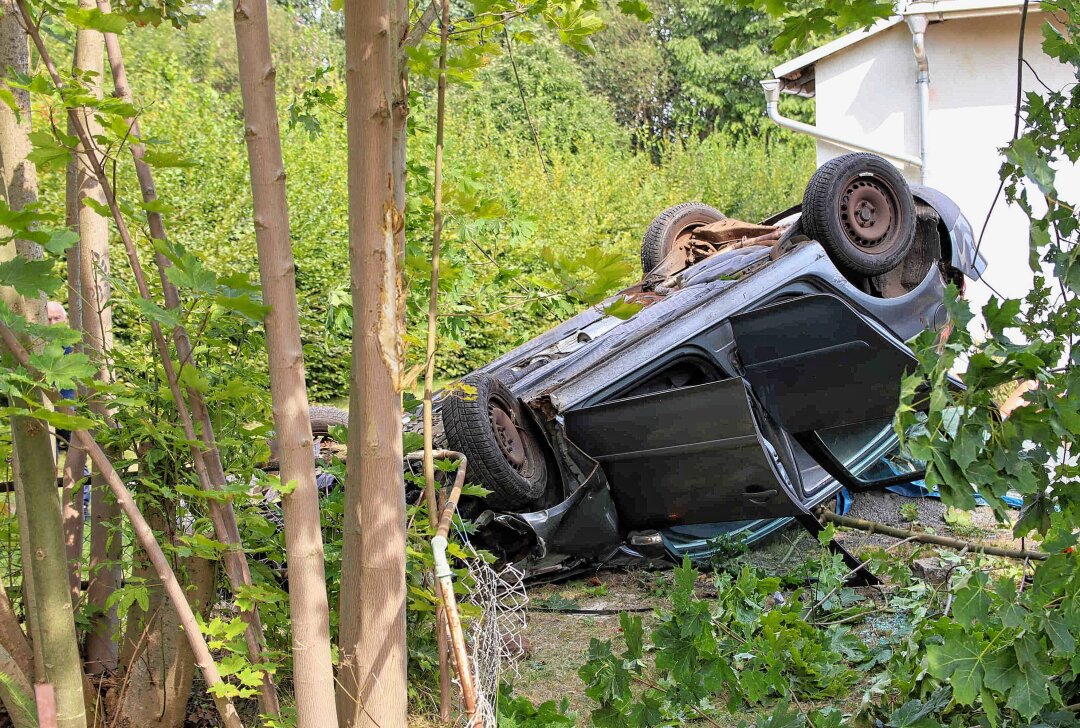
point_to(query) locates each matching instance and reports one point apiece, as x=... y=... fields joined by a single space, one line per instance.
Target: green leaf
x=47 y=153
x=634 y=634
x=637 y=8
x=962 y=659
x=972 y=602
x=59 y=369
x=29 y=277
x=621 y=308
x=62 y=420
x=59 y=240
x=94 y=19
x=154 y=312
x=1024 y=153
x=247 y=306
x=160 y=158
x=1029 y=694
x=1057 y=628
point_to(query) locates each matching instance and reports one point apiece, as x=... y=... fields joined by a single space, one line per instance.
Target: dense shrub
x=504 y=209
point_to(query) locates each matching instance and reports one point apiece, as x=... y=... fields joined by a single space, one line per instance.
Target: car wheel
x=491 y=428
x=859 y=207
x=322 y=419
x=673 y=225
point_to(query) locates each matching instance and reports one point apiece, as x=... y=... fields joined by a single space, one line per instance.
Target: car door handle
x=755 y=494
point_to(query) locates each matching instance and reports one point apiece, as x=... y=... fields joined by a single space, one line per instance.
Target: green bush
x=504 y=209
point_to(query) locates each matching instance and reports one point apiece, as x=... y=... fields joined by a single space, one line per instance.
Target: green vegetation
x=557 y=159
x=506 y=212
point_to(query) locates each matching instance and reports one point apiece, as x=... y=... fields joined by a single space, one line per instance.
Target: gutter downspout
x=772 y=101
x=917 y=24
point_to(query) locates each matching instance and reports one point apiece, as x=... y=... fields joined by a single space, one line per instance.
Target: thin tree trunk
x=96 y=324
x=72 y=510
x=222 y=513
x=373 y=658
x=17 y=665
x=35 y=473
x=399 y=30
x=19 y=179
x=158 y=662
x=95 y=164
x=432 y=331
x=41 y=525
x=433 y=292
x=12 y=638
x=309 y=610
x=75 y=463
x=144 y=535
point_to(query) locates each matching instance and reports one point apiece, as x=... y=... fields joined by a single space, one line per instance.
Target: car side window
x=868 y=450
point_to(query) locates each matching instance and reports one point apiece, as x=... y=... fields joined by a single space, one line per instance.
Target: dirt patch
x=926 y=514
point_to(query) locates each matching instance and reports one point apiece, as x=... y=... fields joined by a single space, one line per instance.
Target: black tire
x=470 y=426
x=669 y=225
x=860 y=208
x=322 y=419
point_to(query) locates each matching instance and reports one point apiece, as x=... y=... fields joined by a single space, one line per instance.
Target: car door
x=830 y=377
x=818 y=369
x=685 y=455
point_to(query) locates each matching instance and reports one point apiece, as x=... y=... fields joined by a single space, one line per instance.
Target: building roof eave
x=798 y=73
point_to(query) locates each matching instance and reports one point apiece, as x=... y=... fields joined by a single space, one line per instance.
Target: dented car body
x=755 y=381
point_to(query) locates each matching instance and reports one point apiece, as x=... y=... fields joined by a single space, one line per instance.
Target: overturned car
x=759 y=377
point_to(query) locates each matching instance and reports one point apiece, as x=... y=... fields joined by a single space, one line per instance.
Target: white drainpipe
x=772 y=101
x=917 y=24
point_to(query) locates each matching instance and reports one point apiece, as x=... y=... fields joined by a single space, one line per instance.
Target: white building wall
x=868 y=92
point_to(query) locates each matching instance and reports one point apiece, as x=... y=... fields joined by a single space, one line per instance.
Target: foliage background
x=608 y=174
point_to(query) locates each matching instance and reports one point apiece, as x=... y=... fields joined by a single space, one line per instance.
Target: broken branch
x=931 y=538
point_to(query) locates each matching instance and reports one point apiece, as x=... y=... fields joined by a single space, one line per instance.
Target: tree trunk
x=75 y=463
x=158 y=662
x=373 y=657
x=16 y=663
x=399 y=29
x=222 y=513
x=96 y=322
x=19 y=178
x=312 y=666
x=144 y=535
x=33 y=450
x=16 y=694
x=35 y=473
